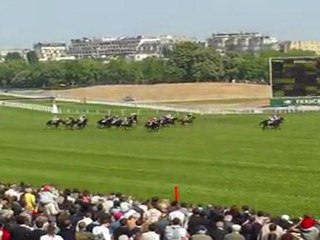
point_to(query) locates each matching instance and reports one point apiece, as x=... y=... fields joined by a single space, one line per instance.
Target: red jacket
x=4 y=234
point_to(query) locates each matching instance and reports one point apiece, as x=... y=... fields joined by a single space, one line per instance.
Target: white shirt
x=86 y=220
x=12 y=193
x=177 y=214
x=48 y=237
x=103 y=231
x=152 y=215
x=175 y=232
x=150 y=236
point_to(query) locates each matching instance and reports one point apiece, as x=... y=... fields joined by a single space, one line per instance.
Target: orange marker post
x=176 y=193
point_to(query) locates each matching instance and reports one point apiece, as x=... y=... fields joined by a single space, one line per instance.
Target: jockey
x=55 y=119
x=276 y=117
x=169 y=116
x=188 y=116
x=69 y=119
x=152 y=120
x=82 y=118
x=273 y=118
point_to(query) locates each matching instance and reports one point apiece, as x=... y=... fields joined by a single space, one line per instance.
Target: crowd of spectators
x=47 y=213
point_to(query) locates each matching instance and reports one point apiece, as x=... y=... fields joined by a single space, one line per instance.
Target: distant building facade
x=242 y=42
x=50 y=51
x=136 y=48
x=313 y=46
x=22 y=51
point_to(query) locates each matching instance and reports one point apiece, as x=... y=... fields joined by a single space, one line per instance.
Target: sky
x=24 y=22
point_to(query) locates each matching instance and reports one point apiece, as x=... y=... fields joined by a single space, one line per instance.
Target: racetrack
x=186 y=94
x=220 y=159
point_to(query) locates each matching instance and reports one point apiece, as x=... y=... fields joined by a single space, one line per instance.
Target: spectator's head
x=105 y=219
x=67 y=223
x=228 y=218
x=201 y=230
x=132 y=221
x=285 y=217
x=176 y=221
x=123 y=222
x=260 y=213
x=21 y=220
x=287 y=236
x=220 y=225
x=307 y=222
x=184 y=205
x=40 y=222
x=88 y=215
x=245 y=208
x=117 y=215
x=155 y=199
x=174 y=204
x=272 y=236
x=123 y=237
x=236 y=228
x=51 y=229
x=196 y=211
x=82 y=226
x=152 y=227
x=46 y=188
x=272 y=227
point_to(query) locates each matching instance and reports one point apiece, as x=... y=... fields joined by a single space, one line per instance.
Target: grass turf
x=220 y=159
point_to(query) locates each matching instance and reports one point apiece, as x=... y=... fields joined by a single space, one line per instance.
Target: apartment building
x=242 y=42
x=50 y=51
x=313 y=46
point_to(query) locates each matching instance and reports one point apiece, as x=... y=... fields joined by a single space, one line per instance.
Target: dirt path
x=187 y=92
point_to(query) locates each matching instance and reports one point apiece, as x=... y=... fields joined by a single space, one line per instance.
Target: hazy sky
x=23 y=22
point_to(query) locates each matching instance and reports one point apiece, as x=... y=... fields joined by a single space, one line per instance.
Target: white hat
x=236 y=228
x=285 y=217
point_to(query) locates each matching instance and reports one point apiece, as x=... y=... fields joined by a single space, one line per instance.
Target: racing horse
x=185 y=120
x=127 y=123
x=54 y=123
x=153 y=126
x=276 y=124
x=105 y=122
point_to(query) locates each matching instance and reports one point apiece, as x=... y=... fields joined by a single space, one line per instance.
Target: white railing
x=210 y=111
x=34 y=107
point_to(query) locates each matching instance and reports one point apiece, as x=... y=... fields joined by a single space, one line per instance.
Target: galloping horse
x=189 y=120
x=276 y=124
x=54 y=123
x=153 y=126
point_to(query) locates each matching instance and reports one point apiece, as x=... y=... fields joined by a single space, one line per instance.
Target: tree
x=32 y=57
x=231 y=65
x=13 y=56
x=207 y=65
x=182 y=58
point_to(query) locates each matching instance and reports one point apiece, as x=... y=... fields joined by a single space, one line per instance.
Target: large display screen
x=295 y=77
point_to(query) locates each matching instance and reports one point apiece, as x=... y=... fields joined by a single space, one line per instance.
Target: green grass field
x=220 y=159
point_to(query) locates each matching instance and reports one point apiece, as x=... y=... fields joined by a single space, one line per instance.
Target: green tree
x=183 y=58
x=206 y=65
x=231 y=65
x=32 y=57
x=13 y=56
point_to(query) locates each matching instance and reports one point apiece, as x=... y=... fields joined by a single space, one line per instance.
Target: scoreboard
x=295 y=77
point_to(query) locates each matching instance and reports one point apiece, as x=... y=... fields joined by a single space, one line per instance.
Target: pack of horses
x=69 y=123
x=128 y=122
x=164 y=121
x=152 y=125
x=118 y=122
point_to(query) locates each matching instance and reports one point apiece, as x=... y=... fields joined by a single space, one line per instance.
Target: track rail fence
x=140 y=107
